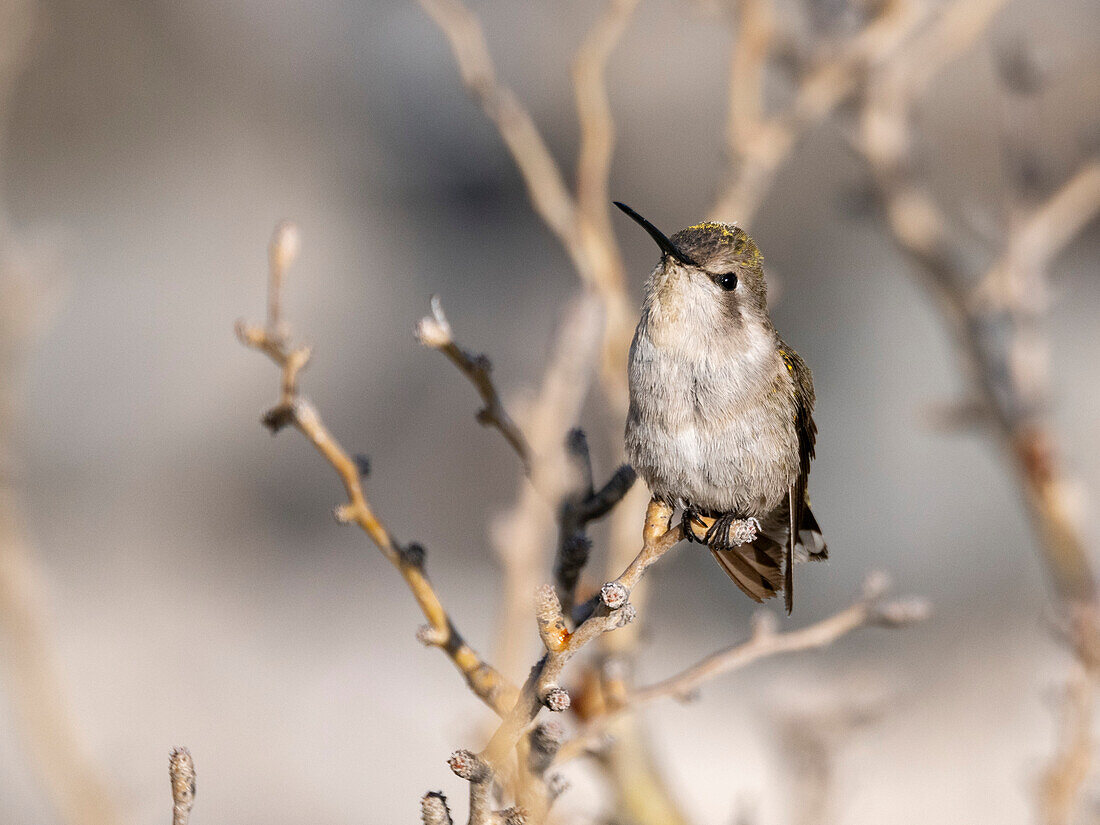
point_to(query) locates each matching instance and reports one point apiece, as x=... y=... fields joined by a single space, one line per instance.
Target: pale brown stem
x=1064 y=777
x=869 y=610
x=1006 y=382
x=434 y=331
x=543 y=688
x=295 y=410
x=590 y=247
x=758 y=145
x=181 y=773
x=597 y=128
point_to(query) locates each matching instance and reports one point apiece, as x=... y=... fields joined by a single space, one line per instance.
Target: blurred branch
x=580 y=222
x=434 y=332
x=921 y=228
x=585 y=505
x=1064 y=777
x=994 y=320
x=74 y=782
x=597 y=128
x=181 y=772
x=520 y=535
x=758 y=143
x=871 y=609
x=294 y=410
x=612 y=610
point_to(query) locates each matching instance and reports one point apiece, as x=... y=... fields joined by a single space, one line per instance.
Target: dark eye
x=727 y=280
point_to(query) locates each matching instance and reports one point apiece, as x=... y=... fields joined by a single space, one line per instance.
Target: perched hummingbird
x=720 y=418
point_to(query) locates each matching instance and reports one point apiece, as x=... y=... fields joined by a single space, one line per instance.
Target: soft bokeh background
x=200 y=592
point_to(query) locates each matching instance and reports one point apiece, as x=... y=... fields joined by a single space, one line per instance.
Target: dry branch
x=543 y=688
x=294 y=410
x=435 y=332
x=42 y=723
x=994 y=320
x=869 y=610
x=579 y=509
x=573 y=219
x=758 y=142
x=1063 y=779
x=181 y=773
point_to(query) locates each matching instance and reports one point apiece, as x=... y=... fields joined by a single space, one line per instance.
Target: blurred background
x=190 y=581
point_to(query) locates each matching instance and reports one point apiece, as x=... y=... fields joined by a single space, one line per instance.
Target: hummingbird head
x=712 y=272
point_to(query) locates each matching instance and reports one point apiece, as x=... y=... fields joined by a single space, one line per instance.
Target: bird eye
x=727 y=280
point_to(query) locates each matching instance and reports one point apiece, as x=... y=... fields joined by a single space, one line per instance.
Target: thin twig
x=577 y=511
x=591 y=248
x=181 y=773
x=543 y=688
x=1063 y=778
x=435 y=332
x=869 y=610
x=757 y=144
x=295 y=410
x=434 y=810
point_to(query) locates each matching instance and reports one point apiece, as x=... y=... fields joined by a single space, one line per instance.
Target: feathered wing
x=803 y=530
x=765 y=567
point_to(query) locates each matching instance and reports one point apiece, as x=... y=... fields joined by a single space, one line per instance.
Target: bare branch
x=294 y=410
x=586 y=238
x=758 y=145
x=545 y=184
x=434 y=810
x=577 y=511
x=542 y=688
x=870 y=610
x=181 y=772
x=520 y=535
x=1062 y=780
x=471 y=767
x=434 y=331
x=597 y=129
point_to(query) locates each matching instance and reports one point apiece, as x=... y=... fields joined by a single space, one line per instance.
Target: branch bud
x=469 y=766
x=557 y=699
x=433 y=330
x=286 y=242
x=551 y=621
x=614 y=595
x=181 y=772
x=434 y=810
x=430 y=636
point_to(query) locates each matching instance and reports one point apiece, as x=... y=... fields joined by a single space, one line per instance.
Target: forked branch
x=296 y=411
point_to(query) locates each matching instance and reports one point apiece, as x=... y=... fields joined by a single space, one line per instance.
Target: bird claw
x=729 y=532
x=688 y=521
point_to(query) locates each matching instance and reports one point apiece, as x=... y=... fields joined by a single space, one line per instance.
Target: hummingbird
x=721 y=408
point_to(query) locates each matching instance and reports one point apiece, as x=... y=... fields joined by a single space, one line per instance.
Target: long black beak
x=667 y=246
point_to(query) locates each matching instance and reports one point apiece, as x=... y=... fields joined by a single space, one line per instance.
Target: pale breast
x=717 y=434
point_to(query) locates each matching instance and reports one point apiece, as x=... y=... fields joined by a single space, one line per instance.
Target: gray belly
x=697 y=443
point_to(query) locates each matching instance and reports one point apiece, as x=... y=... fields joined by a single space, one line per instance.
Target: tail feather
x=811 y=543
x=756 y=568
x=760 y=568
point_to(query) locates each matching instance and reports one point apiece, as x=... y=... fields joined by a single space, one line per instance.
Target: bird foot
x=690 y=521
x=729 y=532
